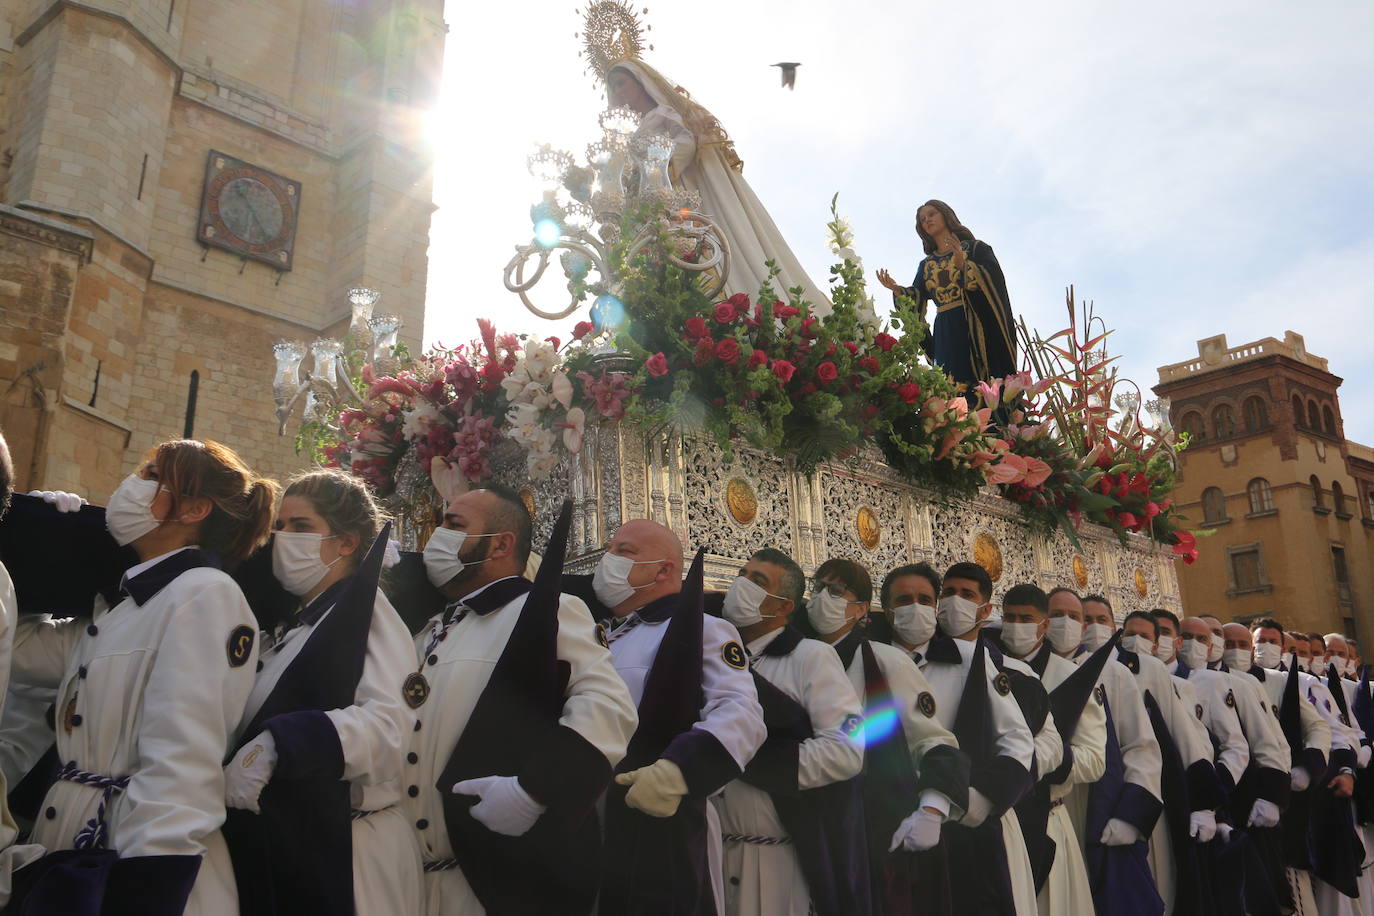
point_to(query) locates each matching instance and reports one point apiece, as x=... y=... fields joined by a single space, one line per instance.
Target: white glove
x=249 y=771
x=919 y=832
x=1299 y=780
x=656 y=789
x=505 y=807
x=1263 y=814
x=60 y=499
x=979 y=807
x=1202 y=826
x=392 y=554
x=1362 y=756
x=1224 y=831
x=1119 y=833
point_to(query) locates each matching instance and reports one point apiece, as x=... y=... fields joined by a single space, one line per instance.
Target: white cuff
x=932 y=798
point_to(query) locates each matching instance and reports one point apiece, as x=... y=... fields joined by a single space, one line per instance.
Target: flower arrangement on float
x=770 y=373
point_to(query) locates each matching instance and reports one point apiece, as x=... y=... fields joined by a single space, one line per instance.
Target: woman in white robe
x=704 y=161
x=325 y=524
x=149 y=690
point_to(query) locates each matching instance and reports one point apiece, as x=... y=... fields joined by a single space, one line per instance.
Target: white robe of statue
x=707 y=165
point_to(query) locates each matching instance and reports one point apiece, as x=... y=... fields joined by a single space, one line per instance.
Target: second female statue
x=973 y=336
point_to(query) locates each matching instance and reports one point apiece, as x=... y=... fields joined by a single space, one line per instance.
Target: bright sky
x=1194 y=168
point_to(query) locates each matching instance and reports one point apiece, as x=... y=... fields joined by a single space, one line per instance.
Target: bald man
x=663 y=840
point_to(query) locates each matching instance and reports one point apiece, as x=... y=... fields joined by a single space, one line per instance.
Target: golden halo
x=612 y=33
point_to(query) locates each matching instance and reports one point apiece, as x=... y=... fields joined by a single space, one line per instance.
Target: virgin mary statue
x=703 y=161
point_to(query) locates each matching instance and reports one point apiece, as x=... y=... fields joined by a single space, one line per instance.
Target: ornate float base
x=859 y=510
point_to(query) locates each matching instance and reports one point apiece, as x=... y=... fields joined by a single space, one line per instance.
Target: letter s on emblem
x=240 y=646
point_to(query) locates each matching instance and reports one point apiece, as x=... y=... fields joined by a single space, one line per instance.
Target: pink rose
x=657 y=365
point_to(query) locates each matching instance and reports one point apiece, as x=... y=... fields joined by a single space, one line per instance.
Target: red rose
x=740 y=301
x=909 y=392
x=717 y=402
x=852 y=348
x=807 y=389
x=830 y=350
x=826 y=372
x=696 y=328
x=724 y=313
x=871 y=365
x=657 y=365
x=581 y=329
x=868 y=411
x=727 y=351
x=885 y=342
x=553 y=340
x=780 y=310
x=808 y=327
x=755 y=320
x=784 y=370
x=706 y=349
x=757 y=359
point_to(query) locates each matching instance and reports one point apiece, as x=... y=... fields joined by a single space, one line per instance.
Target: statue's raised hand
x=885 y=279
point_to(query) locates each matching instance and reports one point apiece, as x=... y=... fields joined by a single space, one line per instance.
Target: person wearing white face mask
x=1114 y=819
x=916 y=777
x=1181 y=731
x=662 y=835
x=997 y=739
x=149 y=689
x=772 y=865
x=908 y=596
x=1025 y=624
x=328 y=699
x=521 y=720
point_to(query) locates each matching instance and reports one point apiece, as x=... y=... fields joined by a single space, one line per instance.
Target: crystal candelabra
x=583 y=207
x=326 y=385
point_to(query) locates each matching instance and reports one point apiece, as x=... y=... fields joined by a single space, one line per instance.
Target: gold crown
x=612 y=34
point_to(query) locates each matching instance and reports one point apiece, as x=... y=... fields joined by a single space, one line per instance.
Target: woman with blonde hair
x=316 y=780
x=148 y=693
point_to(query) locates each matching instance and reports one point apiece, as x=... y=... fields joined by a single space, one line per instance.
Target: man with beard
x=521 y=718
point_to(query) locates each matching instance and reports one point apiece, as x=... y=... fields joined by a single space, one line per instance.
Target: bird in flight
x=789 y=74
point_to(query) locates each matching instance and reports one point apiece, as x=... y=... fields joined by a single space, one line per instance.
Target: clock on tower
x=248 y=210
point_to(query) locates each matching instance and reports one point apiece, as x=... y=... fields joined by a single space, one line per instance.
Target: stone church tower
x=182 y=182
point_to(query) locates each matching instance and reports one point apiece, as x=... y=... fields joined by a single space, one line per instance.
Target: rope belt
x=93 y=835
x=441 y=865
x=1057 y=803
x=757 y=840
x=357 y=815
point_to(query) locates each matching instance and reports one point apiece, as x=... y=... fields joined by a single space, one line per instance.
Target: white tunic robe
x=597 y=706
x=730 y=710
x=158 y=698
x=373 y=734
x=767 y=880
x=1067 y=891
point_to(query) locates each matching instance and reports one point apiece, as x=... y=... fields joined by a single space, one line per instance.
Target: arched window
x=1298 y=416
x=1192 y=425
x=1313 y=418
x=1369 y=503
x=1256 y=416
x=1337 y=497
x=1328 y=419
x=1213 y=505
x=1316 y=492
x=1261 y=496
x=1223 y=421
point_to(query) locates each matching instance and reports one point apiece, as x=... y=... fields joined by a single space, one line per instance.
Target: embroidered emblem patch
x=1230 y=699
x=733 y=655
x=852 y=725
x=1100 y=694
x=1198 y=709
x=240 y=646
x=926 y=704
x=415 y=690
x=1002 y=683
x=601 y=636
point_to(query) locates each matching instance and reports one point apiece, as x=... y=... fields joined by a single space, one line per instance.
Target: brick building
x=1289 y=501
x=183 y=182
